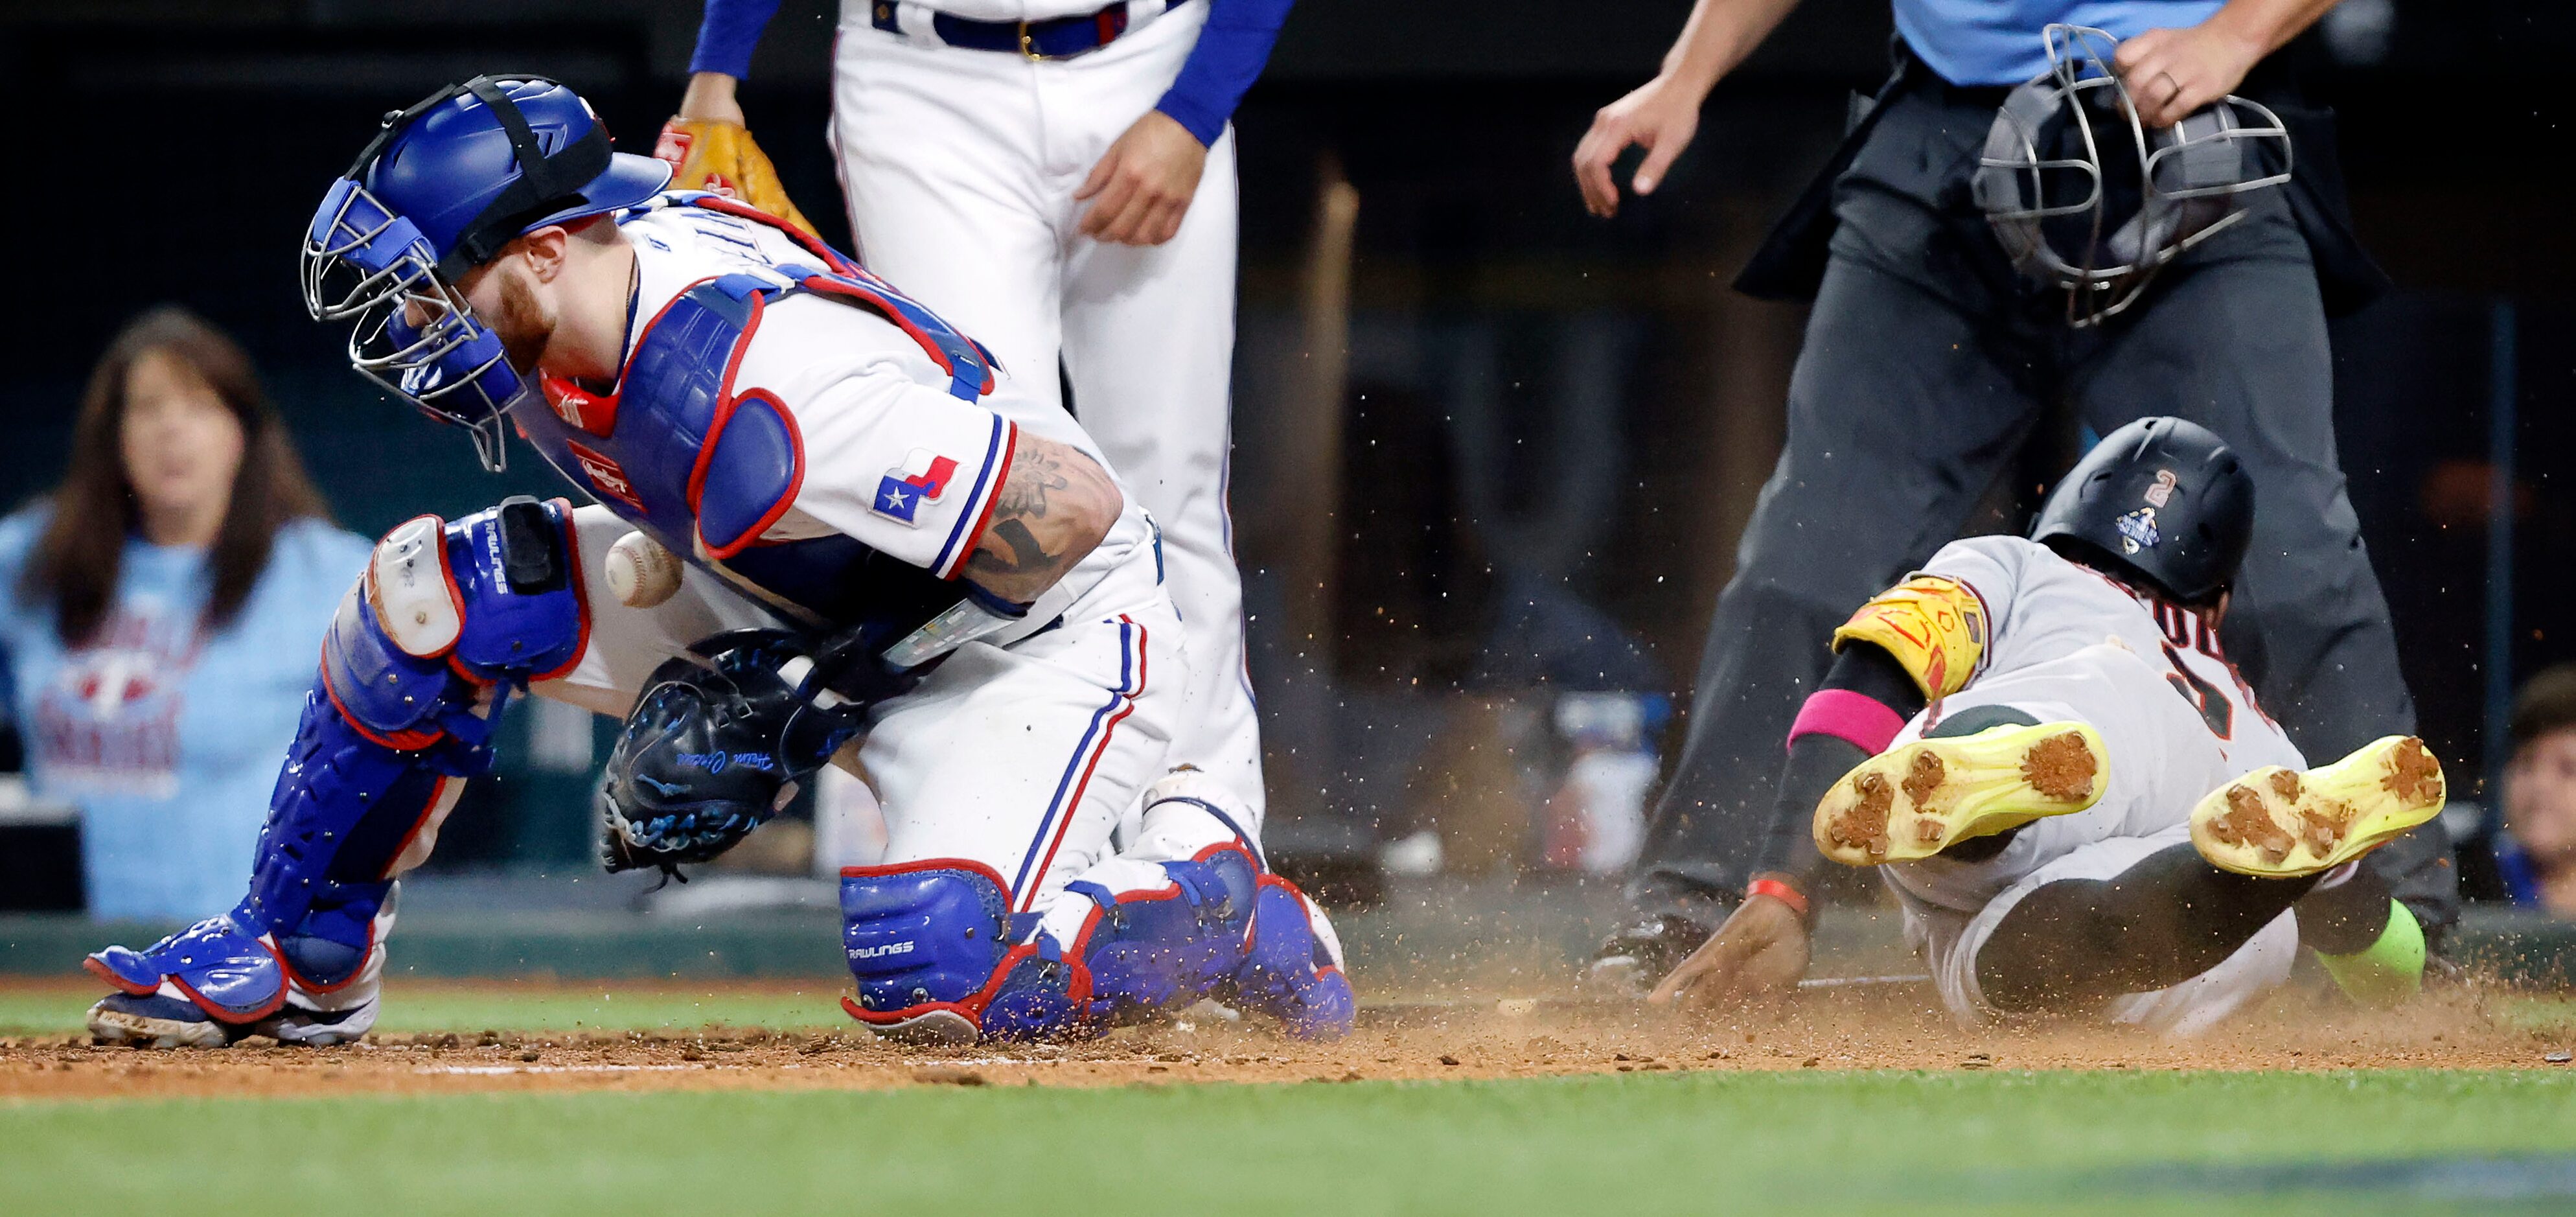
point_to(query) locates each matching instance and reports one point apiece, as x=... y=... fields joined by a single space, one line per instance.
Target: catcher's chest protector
x=704 y=470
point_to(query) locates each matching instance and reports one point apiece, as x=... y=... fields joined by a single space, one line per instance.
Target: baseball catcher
x=834 y=532
x=2047 y=756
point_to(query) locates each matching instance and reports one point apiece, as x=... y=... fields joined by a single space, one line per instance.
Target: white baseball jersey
x=891 y=457
x=2068 y=643
x=2041 y=607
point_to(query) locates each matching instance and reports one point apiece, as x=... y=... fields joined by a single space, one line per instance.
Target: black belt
x=1053 y=38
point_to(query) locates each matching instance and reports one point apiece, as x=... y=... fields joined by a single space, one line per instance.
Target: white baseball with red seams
x=640 y=573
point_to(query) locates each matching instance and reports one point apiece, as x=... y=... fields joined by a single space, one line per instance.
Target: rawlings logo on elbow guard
x=1935 y=627
x=891 y=948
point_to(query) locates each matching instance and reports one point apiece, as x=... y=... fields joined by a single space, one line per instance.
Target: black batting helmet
x=2165 y=497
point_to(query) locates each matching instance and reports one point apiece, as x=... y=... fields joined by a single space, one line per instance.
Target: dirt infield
x=1843 y=1030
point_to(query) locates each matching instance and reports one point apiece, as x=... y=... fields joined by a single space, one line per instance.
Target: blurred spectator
x=2538 y=854
x=159 y=614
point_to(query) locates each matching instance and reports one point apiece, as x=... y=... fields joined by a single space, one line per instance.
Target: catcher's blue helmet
x=441 y=189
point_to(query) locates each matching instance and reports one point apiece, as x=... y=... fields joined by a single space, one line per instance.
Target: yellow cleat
x=1915 y=801
x=2281 y=823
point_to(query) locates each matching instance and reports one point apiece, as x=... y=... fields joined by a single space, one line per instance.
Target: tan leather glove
x=721 y=158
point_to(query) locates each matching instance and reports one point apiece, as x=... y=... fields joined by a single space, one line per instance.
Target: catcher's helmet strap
x=545 y=183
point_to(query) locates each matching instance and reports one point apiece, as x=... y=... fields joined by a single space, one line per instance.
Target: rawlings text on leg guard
x=411 y=669
x=923 y=940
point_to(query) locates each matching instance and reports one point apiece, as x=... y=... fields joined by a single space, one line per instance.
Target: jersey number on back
x=2212 y=704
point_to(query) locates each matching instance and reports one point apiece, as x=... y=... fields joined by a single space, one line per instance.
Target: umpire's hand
x=1660 y=115
x=2171 y=73
x=1760 y=952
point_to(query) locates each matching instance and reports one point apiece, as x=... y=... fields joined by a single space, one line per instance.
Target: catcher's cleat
x=2282 y=823
x=1630 y=962
x=156 y=1021
x=1913 y=802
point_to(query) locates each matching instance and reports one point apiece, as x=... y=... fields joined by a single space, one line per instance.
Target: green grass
x=1710 y=1142
x=611 y=1007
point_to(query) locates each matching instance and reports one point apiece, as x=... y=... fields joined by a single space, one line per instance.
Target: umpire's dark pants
x=1925 y=366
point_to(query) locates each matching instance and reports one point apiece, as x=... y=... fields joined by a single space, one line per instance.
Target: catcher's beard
x=523 y=324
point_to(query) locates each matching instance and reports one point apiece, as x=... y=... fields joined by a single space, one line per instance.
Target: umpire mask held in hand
x=2086 y=199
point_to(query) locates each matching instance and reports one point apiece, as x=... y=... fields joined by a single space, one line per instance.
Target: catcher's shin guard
x=923 y=939
x=938 y=957
x=411 y=673
x=1129 y=939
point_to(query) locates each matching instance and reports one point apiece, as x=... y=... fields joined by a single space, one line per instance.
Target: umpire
x=1928 y=359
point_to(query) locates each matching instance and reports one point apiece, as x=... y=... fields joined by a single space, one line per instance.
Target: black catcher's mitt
x=714 y=747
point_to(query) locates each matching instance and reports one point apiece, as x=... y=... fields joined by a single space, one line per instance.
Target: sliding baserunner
x=2045 y=753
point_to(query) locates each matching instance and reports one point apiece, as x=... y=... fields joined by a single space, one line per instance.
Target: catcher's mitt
x=712 y=750
x=720 y=157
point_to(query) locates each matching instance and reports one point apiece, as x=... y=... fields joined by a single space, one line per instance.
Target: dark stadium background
x=1506 y=355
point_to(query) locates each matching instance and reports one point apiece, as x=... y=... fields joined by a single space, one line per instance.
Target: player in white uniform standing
x=1057 y=176
x=2075 y=798
x=894 y=561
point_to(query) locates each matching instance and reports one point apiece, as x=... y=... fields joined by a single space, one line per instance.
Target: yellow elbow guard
x=1935 y=627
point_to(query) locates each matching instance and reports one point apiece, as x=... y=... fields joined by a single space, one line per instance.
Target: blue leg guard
x=932 y=946
x=923 y=939
x=1118 y=946
x=1293 y=971
x=412 y=672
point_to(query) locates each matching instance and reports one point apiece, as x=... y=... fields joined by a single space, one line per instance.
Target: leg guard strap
x=1128 y=939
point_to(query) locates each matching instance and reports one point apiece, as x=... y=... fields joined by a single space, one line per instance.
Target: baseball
x=641 y=573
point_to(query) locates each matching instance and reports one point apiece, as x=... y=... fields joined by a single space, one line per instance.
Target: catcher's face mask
x=414 y=333
x=2085 y=198
x=441 y=189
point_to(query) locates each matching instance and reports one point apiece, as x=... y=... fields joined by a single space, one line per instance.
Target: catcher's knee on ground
x=938 y=956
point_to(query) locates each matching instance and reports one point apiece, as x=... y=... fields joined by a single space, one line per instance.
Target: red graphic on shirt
x=109 y=721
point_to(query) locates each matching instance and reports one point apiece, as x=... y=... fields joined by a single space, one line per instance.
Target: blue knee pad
x=1133 y=956
x=923 y=940
x=444 y=612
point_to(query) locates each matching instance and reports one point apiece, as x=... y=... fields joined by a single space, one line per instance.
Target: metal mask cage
x=413 y=333
x=2189 y=177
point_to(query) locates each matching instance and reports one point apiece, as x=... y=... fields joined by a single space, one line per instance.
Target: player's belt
x=1053 y=38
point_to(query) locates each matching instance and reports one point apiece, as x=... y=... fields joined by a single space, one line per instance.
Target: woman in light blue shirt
x=159 y=615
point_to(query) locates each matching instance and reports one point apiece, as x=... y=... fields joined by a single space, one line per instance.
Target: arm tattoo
x=1034 y=472
x=1028 y=556
x=1054 y=505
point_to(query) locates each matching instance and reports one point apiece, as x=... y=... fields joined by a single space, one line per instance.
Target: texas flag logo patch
x=922 y=478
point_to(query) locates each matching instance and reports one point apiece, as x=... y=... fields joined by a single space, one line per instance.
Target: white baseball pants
x=960 y=167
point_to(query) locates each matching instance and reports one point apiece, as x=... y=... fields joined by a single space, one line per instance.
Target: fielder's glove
x=715 y=747
x=720 y=158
